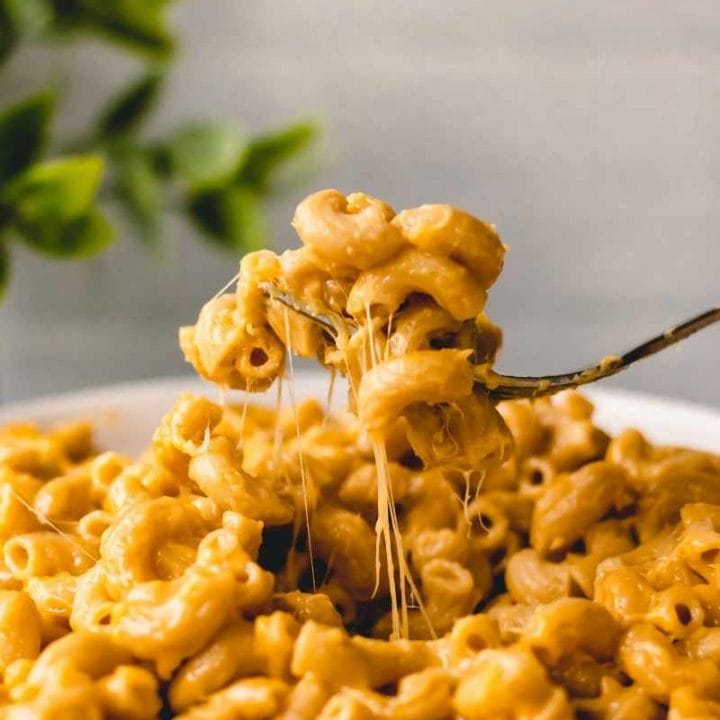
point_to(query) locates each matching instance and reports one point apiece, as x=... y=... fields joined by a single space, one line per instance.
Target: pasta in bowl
x=415 y=552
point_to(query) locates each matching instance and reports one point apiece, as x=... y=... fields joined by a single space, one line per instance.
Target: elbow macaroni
x=237 y=570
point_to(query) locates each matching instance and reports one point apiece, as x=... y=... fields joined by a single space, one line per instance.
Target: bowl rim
x=613 y=406
x=44 y=404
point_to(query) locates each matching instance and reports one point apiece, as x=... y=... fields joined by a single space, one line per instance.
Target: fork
x=506 y=387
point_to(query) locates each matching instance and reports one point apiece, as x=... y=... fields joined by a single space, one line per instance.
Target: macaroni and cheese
x=424 y=555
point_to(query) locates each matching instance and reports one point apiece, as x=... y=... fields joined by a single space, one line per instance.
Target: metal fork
x=506 y=387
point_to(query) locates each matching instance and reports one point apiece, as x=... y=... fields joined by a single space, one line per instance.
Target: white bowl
x=125 y=416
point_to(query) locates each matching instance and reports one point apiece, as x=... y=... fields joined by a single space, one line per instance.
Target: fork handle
x=505 y=387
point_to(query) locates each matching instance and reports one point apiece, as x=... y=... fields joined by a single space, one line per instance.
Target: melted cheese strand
x=405 y=573
x=390 y=526
x=226 y=286
x=382 y=524
x=222 y=392
x=382 y=532
x=243 y=418
x=329 y=395
x=386 y=352
x=44 y=520
x=483 y=475
x=303 y=478
x=390 y=529
x=207 y=436
x=387 y=525
x=466 y=497
x=277 y=438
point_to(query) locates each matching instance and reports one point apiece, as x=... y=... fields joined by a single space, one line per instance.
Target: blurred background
x=588 y=132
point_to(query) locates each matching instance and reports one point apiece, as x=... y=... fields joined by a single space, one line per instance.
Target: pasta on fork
x=407 y=293
x=427 y=554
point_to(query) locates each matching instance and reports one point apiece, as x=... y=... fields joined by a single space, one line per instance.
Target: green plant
x=52 y=198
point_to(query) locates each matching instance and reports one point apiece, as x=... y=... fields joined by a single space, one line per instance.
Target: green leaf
x=138 y=24
x=140 y=193
x=19 y=19
x=6 y=216
x=9 y=32
x=266 y=153
x=232 y=217
x=4 y=268
x=126 y=111
x=23 y=133
x=56 y=191
x=81 y=237
x=205 y=154
x=68 y=15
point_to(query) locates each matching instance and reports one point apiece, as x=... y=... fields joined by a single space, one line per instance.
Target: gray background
x=588 y=132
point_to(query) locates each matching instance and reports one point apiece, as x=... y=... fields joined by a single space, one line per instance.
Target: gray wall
x=588 y=132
